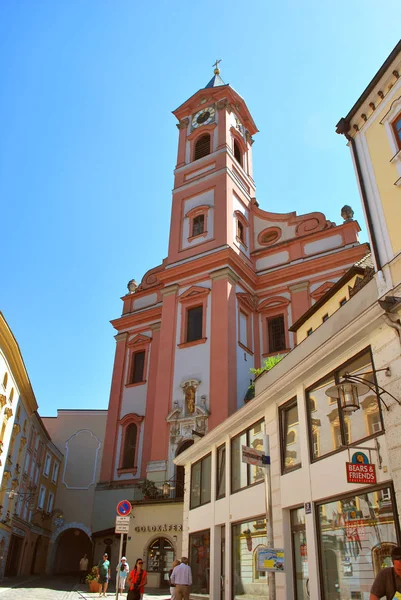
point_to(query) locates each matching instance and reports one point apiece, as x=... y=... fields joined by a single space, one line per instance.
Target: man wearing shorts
x=104 y=574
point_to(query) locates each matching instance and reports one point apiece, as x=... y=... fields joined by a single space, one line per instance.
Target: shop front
x=156 y=537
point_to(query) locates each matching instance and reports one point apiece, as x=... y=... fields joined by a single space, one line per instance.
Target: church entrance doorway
x=72 y=544
x=160 y=559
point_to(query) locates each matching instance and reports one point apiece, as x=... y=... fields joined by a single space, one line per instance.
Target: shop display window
x=160 y=558
x=289 y=428
x=300 y=554
x=199 y=560
x=248 y=582
x=329 y=428
x=356 y=535
x=242 y=474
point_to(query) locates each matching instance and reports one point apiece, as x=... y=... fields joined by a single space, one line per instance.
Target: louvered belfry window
x=276 y=334
x=202 y=146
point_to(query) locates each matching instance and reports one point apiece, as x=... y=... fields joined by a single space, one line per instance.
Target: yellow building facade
x=373 y=130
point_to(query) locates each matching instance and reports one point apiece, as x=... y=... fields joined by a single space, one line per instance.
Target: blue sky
x=88 y=147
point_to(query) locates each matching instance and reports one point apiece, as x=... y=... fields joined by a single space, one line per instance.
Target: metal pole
x=120 y=553
x=269 y=514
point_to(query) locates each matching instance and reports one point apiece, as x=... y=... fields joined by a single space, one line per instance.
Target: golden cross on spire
x=216 y=67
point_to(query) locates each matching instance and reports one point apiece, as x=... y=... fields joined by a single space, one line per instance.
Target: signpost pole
x=120 y=553
x=269 y=513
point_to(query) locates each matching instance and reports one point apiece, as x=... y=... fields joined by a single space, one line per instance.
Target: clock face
x=203 y=117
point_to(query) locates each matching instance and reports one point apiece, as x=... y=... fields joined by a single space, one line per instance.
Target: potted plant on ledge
x=92 y=580
x=149 y=489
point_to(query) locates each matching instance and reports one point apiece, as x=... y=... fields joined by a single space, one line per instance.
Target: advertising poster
x=271 y=559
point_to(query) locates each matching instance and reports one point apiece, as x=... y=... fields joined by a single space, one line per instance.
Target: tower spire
x=216 y=80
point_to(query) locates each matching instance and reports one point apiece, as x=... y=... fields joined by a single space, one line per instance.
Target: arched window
x=202 y=146
x=291 y=437
x=237 y=152
x=129 y=446
x=5 y=380
x=160 y=556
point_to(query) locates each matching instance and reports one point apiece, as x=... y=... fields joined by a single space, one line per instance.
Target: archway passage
x=72 y=544
x=180 y=471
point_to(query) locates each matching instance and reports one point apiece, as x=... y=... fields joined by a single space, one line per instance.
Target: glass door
x=300 y=554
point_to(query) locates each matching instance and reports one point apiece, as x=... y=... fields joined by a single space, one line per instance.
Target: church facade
x=235 y=279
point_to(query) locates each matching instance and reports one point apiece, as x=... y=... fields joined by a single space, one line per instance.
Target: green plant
x=149 y=489
x=93 y=575
x=270 y=362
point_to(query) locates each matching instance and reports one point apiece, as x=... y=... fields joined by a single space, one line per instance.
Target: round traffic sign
x=124 y=508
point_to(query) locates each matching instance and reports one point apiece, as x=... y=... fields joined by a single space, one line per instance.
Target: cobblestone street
x=59 y=588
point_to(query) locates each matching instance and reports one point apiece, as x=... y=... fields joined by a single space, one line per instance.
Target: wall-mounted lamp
x=352 y=386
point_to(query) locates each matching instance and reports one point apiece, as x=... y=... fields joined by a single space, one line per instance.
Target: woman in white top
x=123 y=570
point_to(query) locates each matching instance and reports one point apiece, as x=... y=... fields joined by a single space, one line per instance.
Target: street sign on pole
x=124 y=508
x=254 y=457
x=123 y=520
x=122 y=525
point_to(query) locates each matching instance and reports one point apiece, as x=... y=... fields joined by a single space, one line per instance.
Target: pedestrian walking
x=137 y=580
x=83 y=568
x=104 y=574
x=172 y=585
x=388 y=581
x=123 y=570
x=182 y=578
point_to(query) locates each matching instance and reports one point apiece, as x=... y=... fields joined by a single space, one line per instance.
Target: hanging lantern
x=348 y=392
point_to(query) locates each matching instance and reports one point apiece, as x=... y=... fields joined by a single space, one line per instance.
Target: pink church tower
x=235 y=279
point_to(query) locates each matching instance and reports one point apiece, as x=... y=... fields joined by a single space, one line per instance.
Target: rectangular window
x=198 y=225
x=356 y=534
x=201 y=481
x=397 y=130
x=221 y=472
x=41 y=497
x=325 y=317
x=309 y=332
x=50 y=503
x=289 y=428
x=330 y=429
x=199 y=560
x=194 y=323
x=276 y=334
x=242 y=474
x=55 y=472
x=243 y=328
x=300 y=553
x=138 y=365
x=248 y=582
x=343 y=301
x=46 y=468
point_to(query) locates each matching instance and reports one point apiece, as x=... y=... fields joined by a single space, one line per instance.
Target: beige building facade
x=80 y=435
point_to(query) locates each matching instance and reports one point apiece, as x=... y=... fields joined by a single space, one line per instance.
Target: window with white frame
x=55 y=471
x=46 y=468
x=41 y=497
x=50 y=502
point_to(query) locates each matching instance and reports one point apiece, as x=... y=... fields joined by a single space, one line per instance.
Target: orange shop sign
x=358 y=473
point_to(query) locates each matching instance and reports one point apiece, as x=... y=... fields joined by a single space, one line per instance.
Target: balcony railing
x=160 y=491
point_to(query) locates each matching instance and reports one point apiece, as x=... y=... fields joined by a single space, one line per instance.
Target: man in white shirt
x=83 y=568
x=182 y=578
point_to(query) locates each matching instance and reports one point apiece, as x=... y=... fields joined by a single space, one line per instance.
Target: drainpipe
x=343 y=128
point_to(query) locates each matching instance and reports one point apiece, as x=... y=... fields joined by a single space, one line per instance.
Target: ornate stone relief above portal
x=189 y=413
